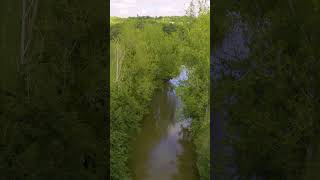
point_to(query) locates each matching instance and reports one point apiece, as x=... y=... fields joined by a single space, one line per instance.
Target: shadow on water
x=162 y=149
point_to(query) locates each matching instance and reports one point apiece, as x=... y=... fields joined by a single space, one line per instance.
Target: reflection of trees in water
x=232 y=48
x=185 y=134
x=163 y=123
x=164 y=109
x=187 y=158
x=155 y=127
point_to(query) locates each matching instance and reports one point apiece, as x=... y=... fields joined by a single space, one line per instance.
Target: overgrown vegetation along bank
x=142 y=55
x=195 y=90
x=52 y=90
x=274 y=115
x=144 y=52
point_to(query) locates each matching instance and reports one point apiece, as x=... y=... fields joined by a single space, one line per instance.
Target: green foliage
x=169 y=28
x=142 y=57
x=202 y=143
x=195 y=90
x=154 y=49
x=274 y=114
x=52 y=106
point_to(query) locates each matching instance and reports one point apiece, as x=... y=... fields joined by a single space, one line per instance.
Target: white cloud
x=125 y=8
x=124 y=12
x=143 y=12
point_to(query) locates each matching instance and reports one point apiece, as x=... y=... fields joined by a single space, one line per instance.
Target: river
x=233 y=47
x=163 y=150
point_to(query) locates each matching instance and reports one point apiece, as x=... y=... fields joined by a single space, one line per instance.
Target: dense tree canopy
x=145 y=52
x=273 y=117
x=53 y=97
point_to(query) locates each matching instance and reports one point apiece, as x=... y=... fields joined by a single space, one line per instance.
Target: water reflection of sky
x=182 y=77
x=163 y=157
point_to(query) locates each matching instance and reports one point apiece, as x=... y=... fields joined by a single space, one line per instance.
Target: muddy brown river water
x=163 y=149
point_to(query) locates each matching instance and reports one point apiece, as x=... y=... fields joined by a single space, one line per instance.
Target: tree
x=275 y=90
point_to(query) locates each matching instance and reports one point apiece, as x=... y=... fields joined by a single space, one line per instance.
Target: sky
x=126 y=8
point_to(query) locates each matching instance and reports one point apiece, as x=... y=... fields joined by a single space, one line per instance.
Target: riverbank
x=144 y=52
x=162 y=149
